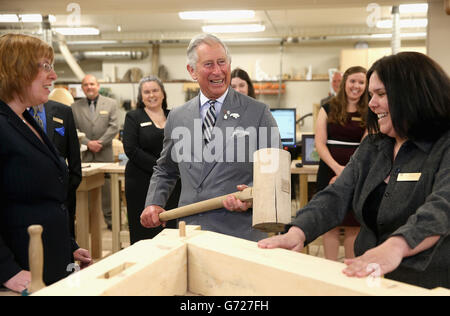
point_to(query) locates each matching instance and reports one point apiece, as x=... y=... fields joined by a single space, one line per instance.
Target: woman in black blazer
x=33 y=178
x=143 y=136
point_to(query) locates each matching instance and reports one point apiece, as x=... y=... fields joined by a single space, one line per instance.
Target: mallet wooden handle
x=204 y=206
x=36 y=258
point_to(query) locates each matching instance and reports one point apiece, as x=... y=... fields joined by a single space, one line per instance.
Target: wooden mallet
x=271 y=193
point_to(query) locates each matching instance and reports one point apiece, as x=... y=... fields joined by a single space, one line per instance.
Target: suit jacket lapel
x=28 y=134
x=48 y=147
x=192 y=117
x=380 y=170
x=100 y=107
x=49 y=114
x=86 y=111
x=231 y=105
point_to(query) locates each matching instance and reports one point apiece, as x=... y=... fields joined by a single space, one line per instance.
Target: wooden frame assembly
x=208 y=263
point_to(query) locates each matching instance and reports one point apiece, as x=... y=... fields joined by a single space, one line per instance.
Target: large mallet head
x=271 y=193
x=271 y=189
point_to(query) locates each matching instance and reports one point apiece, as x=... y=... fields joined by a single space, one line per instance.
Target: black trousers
x=136 y=187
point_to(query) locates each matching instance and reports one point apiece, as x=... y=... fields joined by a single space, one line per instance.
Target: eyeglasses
x=46 y=66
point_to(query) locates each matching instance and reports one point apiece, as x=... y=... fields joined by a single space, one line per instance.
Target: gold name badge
x=409 y=176
x=58 y=120
x=146 y=124
x=104 y=112
x=358 y=119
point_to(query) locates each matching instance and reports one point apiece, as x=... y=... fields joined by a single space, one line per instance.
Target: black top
x=370 y=210
x=143 y=142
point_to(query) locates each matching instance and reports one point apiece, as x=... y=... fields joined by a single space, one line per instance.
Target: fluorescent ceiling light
x=381 y=35
x=419 y=34
x=100 y=42
x=234 y=28
x=386 y=24
x=77 y=30
x=9 y=18
x=30 y=18
x=385 y=36
x=24 y=18
x=414 y=8
x=217 y=15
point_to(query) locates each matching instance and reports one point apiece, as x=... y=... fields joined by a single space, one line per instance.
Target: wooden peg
x=36 y=258
x=182 y=228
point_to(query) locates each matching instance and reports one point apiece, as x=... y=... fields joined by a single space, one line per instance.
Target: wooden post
x=155 y=59
x=36 y=258
x=447 y=6
x=95 y=218
x=182 y=228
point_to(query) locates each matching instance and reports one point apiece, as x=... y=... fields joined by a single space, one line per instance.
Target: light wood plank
x=224 y=265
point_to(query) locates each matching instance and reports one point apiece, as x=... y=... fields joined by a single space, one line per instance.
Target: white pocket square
x=240 y=133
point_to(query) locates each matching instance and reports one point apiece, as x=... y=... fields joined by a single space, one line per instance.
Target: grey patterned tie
x=36 y=116
x=92 y=106
x=209 y=121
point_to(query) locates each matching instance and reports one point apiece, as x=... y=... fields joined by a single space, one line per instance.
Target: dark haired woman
x=241 y=82
x=143 y=136
x=340 y=126
x=397 y=182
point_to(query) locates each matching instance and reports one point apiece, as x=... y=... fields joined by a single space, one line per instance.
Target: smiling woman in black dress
x=143 y=137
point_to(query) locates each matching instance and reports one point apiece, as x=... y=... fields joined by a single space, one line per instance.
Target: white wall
x=438 y=43
x=295 y=60
x=261 y=62
x=258 y=60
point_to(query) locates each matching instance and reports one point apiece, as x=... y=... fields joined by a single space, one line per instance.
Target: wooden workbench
x=116 y=172
x=303 y=172
x=89 y=213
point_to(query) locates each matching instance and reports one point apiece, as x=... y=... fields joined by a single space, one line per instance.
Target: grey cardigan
x=413 y=209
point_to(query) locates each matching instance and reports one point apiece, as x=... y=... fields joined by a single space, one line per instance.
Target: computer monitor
x=285 y=118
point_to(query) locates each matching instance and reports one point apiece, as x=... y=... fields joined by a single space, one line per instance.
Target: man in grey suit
x=96 y=116
x=209 y=143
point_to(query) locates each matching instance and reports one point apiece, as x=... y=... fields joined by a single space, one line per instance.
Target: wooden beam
x=208 y=263
x=447 y=6
x=146 y=268
x=224 y=265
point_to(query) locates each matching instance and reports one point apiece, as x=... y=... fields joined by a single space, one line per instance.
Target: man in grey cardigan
x=209 y=142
